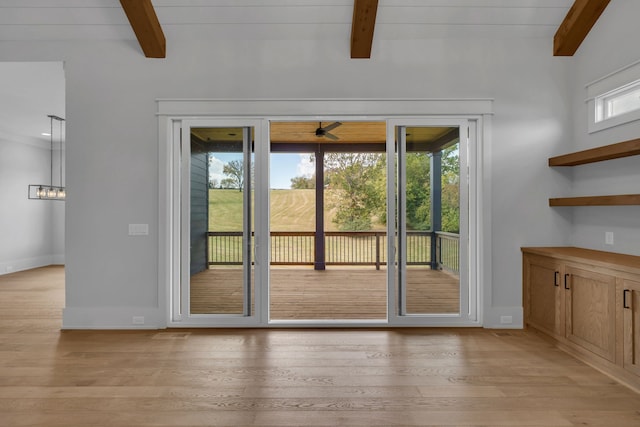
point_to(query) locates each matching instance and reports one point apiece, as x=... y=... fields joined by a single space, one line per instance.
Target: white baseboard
x=154 y=318
x=498 y=318
x=113 y=318
x=11 y=266
x=58 y=259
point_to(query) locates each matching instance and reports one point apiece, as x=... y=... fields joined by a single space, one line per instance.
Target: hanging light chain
x=56 y=193
x=51 y=152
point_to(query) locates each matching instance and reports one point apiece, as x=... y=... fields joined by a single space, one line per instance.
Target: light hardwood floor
x=322 y=377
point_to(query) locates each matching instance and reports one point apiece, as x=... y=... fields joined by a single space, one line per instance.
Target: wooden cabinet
x=589 y=301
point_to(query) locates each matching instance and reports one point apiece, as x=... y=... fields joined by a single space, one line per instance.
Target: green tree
x=357 y=181
x=451 y=189
x=234 y=171
x=418 y=191
x=418 y=170
x=303 y=182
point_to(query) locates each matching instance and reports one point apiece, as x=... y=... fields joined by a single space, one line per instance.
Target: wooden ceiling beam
x=576 y=25
x=145 y=24
x=362 y=26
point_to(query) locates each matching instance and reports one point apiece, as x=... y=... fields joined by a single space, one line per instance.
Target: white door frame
x=260 y=112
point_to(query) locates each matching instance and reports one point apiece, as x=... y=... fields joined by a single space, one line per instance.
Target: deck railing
x=448 y=251
x=341 y=248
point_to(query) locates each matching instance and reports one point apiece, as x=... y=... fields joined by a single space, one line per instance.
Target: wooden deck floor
x=285 y=377
x=335 y=293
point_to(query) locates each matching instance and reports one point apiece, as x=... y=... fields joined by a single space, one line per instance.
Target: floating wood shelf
x=607 y=152
x=618 y=200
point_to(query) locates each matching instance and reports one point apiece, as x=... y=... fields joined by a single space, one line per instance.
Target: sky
x=283 y=167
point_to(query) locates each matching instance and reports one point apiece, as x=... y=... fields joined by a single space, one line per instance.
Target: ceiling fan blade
x=331 y=136
x=332 y=126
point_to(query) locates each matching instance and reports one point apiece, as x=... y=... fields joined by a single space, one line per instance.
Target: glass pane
x=623 y=102
x=432 y=219
x=219 y=246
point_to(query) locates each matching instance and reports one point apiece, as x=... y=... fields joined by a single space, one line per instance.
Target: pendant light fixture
x=50 y=191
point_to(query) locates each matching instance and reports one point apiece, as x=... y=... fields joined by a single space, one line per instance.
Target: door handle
x=556 y=278
x=624 y=298
x=255 y=250
x=566 y=280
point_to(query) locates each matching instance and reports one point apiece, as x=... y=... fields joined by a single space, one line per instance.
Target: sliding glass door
x=341 y=223
x=430 y=278
x=217 y=227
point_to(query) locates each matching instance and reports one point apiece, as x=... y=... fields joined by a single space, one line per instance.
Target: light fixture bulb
x=61 y=193
x=41 y=192
x=51 y=193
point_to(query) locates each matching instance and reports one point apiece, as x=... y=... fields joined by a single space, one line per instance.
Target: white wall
x=611 y=45
x=31 y=231
x=112 y=142
x=25 y=225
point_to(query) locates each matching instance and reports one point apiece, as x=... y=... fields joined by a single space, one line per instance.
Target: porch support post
x=319 y=258
x=436 y=205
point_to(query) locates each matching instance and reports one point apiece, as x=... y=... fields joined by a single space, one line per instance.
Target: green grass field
x=291 y=210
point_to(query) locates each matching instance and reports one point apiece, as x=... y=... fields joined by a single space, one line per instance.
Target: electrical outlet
x=506 y=320
x=138 y=320
x=608 y=238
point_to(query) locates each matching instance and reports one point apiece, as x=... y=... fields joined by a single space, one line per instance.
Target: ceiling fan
x=324 y=131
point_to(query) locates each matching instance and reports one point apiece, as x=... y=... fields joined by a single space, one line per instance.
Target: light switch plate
x=138 y=229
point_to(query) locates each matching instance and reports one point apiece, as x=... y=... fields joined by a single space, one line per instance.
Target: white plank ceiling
x=35 y=20
x=282 y=19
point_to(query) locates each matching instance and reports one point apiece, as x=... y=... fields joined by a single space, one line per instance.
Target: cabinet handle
x=624 y=298
x=556 y=278
x=566 y=280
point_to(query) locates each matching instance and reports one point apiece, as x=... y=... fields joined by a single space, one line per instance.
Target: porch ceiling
x=347 y=133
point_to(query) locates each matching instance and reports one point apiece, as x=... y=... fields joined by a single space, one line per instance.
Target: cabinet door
x=631 y=303
x=543 y=294
x=590 y=310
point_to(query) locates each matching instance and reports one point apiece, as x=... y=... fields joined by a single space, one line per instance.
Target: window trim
x=618 y=82
x=171 y=113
